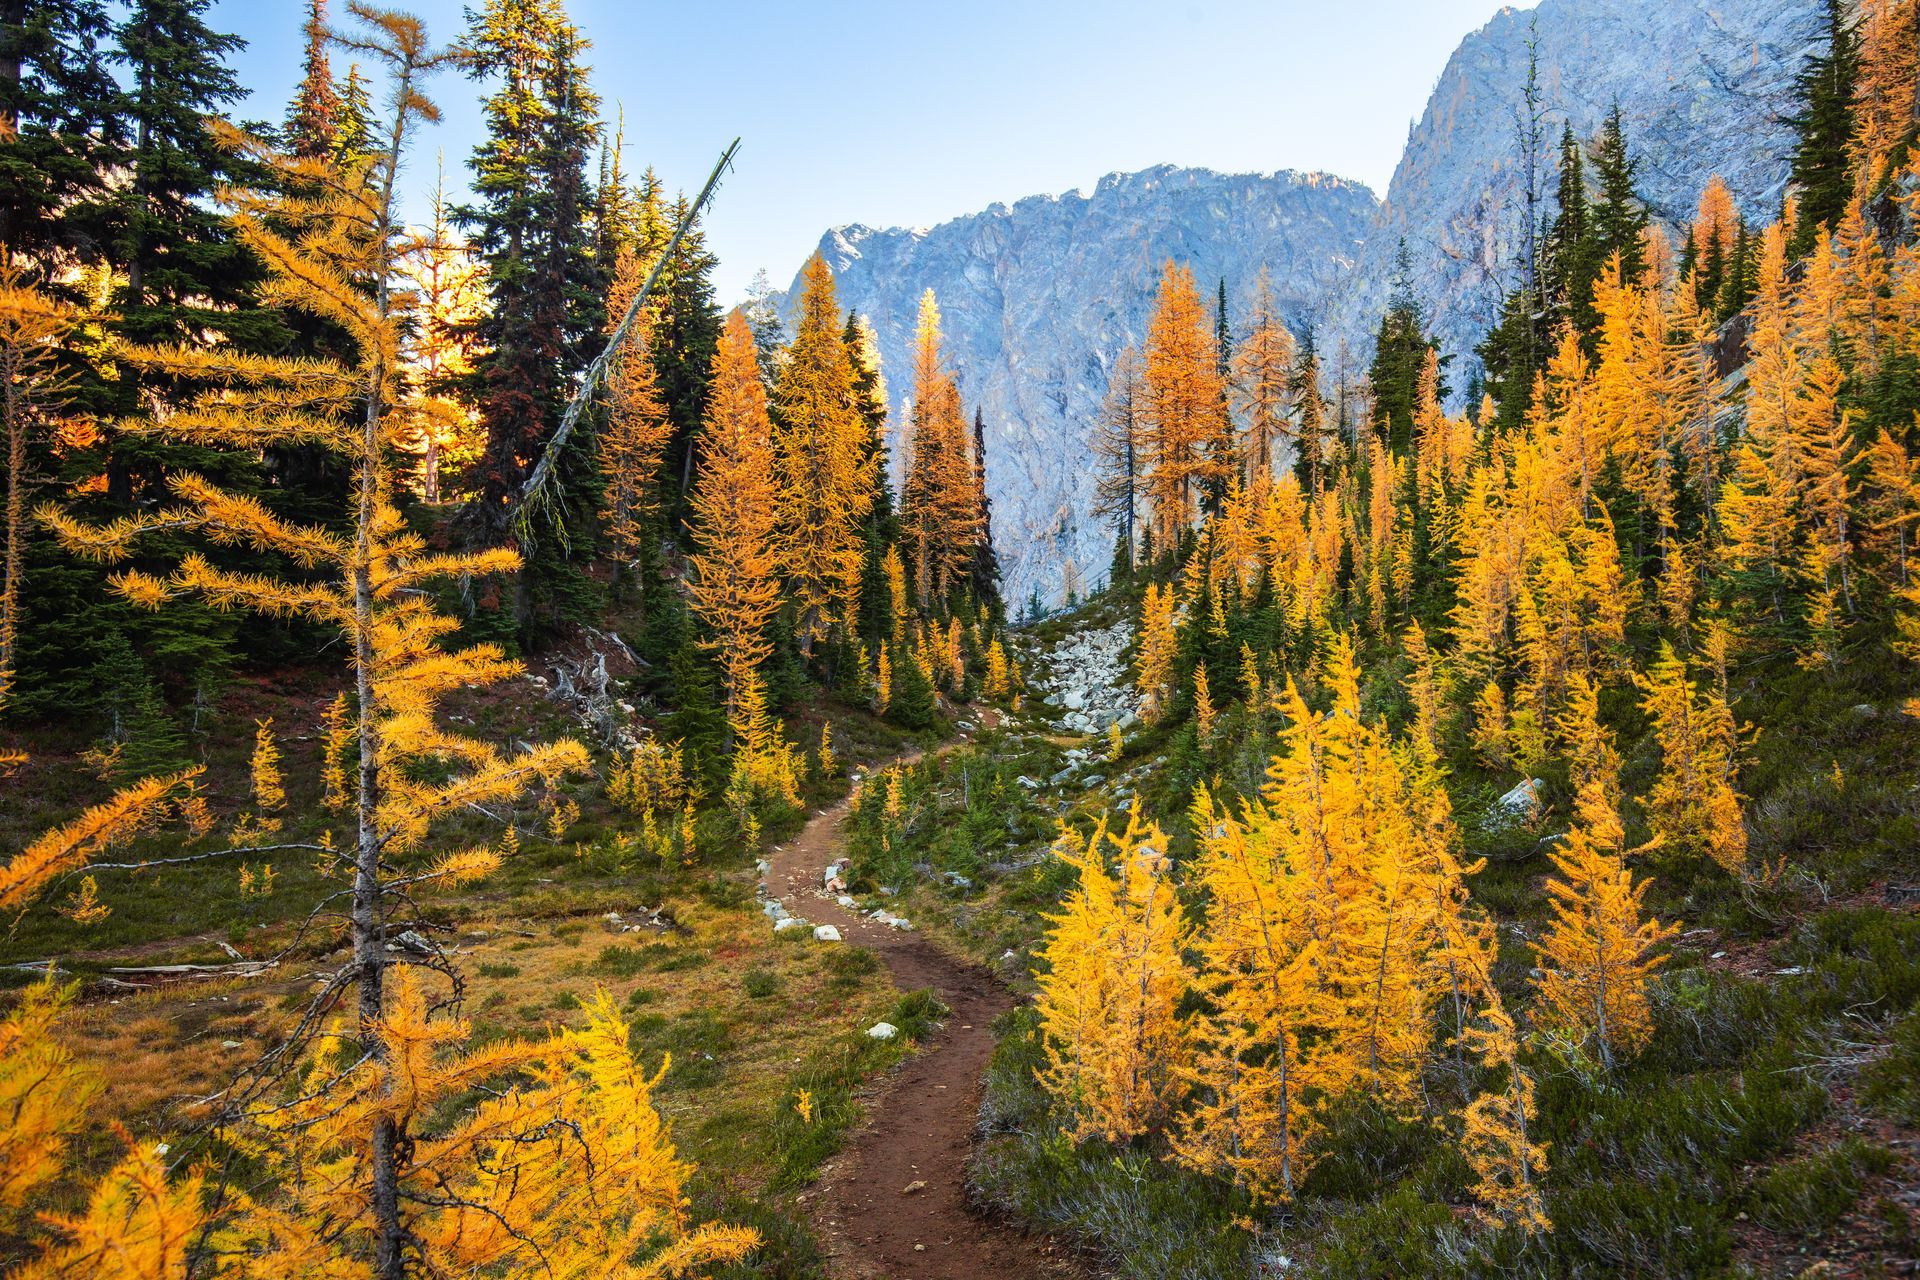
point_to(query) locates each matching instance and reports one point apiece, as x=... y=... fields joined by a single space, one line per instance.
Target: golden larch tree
x=1598 y=951
x=1182 y=389
x=735 y=584
x=826 y=486
x=632 y=444
x=940 y=504
x=1693 y=806
x=1109 y=1000
x=336 y=255
x=449 y=292
x=1158 y=642
x=1262 y=382
x=1495 y=1133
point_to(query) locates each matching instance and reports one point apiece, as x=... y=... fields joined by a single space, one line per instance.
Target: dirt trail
x=919 y=1128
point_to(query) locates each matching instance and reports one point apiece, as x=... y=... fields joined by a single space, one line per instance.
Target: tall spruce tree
x=881 y=529
x=60 y=114
x=532 y=225
x=685 y=339
x=313 y=118
x=1572 y=248
x=986 y=561
x=179 y=276
x=1619 y=215
x=1400 y=353
x=1822 y=158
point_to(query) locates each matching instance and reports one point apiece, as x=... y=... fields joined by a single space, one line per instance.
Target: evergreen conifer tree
x=530 y=225
x=1572 y=249
x=1400 y=353
x=1619 y=215
x=1823 y=156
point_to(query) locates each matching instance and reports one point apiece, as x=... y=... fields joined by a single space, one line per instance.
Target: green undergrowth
x=1749 y=1131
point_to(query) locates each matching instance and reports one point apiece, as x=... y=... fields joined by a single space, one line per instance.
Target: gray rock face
x=1039 y=297
x=1704 y=86
x=1037 y=300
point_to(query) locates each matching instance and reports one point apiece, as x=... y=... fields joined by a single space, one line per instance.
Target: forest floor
x=895 y=1202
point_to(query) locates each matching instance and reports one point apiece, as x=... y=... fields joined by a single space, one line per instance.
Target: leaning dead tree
x=535 y=494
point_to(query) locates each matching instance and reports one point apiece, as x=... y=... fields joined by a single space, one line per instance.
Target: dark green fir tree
x=1824 y=124
x=1399 y=354
x=532 y=224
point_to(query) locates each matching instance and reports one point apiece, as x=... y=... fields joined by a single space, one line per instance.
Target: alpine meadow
x=1215 y=726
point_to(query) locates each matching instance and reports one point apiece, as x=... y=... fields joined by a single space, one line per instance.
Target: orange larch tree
x=1262 y=382
x=1183 y=404
x=940 y=503
x=735 y=584
x=633 y=443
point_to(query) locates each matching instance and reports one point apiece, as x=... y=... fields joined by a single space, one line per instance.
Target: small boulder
x=882 y=1031
x=1523 y=801
x=785 y=923
x=825 y=933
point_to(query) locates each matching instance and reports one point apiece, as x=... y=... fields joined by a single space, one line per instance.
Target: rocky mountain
x=1039 y=297
x=1704 y=86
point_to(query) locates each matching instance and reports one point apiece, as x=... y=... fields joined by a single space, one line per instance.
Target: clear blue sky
x=905 y=112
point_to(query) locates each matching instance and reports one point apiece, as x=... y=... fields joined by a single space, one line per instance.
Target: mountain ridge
x=1039 y=295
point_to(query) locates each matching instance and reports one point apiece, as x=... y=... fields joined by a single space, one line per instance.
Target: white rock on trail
x=882 y=1031
x=825 y=933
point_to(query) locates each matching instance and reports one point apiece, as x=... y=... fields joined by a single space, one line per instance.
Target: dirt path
x=920 y=1127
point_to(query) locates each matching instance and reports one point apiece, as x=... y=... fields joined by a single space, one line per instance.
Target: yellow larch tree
x=1250 y=1118
x=44 y=1093
x=999 y=682
x=826 y=486
x=939 y=503
x=1693 y=806
x=336 y=255
x=632 y=443
x=1203 y=709
x=1109 y=999
x=572 y=1173
x=898 y=605
x=1598 y=951
x=1423 y=689
x=1158 y=640
x=449 y=292
x=1339 y=940
x=1182 y=387
x=735 y=585
x=1885 y=89
x=1495 y=1131
x=1262 y=382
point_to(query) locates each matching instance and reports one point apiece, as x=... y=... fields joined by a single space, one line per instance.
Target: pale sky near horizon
x=908 y=114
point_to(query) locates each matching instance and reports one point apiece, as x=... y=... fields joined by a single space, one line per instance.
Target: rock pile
x=1085 y=678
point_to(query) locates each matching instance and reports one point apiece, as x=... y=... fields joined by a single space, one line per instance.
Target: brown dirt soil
x=920 y=1125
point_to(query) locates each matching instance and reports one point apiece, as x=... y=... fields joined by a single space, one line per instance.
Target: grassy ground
x=748 y=1018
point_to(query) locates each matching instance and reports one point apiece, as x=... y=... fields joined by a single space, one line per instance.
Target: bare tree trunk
x=12 y=405
x=369 y=894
